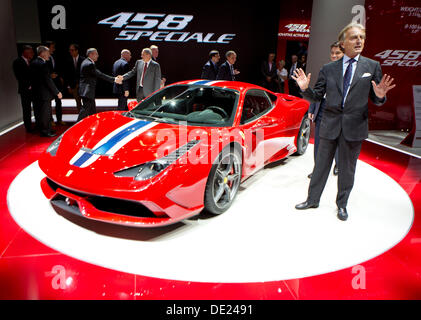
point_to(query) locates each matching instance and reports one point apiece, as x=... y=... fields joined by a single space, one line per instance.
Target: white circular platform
x=260 y=238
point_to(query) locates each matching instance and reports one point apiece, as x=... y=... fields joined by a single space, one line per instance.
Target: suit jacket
x=120 y=67
x=224 y=72
x=88 y=78
x=22 y=74
x=352 y=119
x=264 y=69
x=43 y=87
x=209 y=71
x=55 y=68
x=152 y=78
x=72 y=74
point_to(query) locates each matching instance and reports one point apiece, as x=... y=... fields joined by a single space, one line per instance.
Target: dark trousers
x=317 y=140
x=42 y=110
x=122 y=103
x=59 y=110
x=78 y=99
x=26 y=100
x=88 y=108
x=294 y=89
x=139 y=94
x=348 y=155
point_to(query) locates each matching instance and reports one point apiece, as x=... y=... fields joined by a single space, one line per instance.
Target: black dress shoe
x=48 y=134
x=335 y=170
x=310 y=175
x=342 y=214
x=306 y=205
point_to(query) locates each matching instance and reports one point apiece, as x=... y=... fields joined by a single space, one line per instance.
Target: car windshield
x=192 y=104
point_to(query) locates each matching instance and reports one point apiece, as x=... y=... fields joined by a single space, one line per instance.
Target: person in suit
x=121 y=66
x=72 y=74
x=57 y=79
x=44 y=90
x=268 y=72
x=315 y=112
x=210 y=69
x=348 y=83
x=21 y=70
x=294 y=90
x=148 y=75
x=87 y=84
x=155 y=54
x=226 y=70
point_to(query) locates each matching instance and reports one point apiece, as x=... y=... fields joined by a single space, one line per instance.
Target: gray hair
x=147 y=50
x=229 y=54
x=353 y=24
x=90 y=50
x=41 y=49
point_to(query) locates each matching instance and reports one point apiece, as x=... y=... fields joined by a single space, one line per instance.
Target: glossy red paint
x=177 y=192
x=31 y=270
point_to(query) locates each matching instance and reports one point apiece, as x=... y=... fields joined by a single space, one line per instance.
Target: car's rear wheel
x=303 y=136
x=223 y=181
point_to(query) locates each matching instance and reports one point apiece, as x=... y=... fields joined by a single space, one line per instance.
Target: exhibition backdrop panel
x=184 y=33
x=394 y=39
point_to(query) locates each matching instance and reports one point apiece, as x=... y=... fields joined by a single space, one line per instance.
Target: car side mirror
x=132 y=104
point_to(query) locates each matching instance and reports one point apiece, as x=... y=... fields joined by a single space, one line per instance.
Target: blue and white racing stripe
x=205 y=82
x=112 y=142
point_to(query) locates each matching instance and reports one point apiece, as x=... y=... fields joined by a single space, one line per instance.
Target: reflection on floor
x=31 y=270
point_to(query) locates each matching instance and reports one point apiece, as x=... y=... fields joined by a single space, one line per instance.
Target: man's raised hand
x=301 y=78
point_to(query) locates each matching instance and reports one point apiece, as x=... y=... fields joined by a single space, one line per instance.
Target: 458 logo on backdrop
x=401 y=58
x=169 y=28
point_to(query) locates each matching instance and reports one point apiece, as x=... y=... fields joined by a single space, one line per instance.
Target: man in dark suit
x=72 y=74
x=121 y=66
x=268 y=72
x=155 y=54
x=210 y=69
x=87 y=84
x=294 y=90
x=44 y=90
x=347 y=84
x=226 y=70
x=22 y=73
x=148 y=73
x=55 y=72
x=315 y=112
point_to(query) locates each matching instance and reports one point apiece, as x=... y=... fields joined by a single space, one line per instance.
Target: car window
x=193 y=104
x=255 y=104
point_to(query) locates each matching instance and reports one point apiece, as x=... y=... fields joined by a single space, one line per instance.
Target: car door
x=261 y=129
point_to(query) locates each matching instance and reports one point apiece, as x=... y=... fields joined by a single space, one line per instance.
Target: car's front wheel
x=223 y=181
x=303 y=136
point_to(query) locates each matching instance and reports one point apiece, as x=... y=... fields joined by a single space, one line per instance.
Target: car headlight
x=152 y=168
x=52 y=149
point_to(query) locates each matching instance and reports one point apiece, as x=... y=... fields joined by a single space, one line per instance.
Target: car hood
x=110 y=141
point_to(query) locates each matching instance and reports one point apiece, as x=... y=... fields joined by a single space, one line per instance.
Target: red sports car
x=185 y=148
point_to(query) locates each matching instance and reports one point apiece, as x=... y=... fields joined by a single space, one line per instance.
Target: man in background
x=210 y=69
x=44 y=90
x=226 y=70
x=155 y=53
x=87 y=85
x=294 y=90
x=121 y=66
x=315 y=112
x=148 y=75
x=21 y=70
x=72 y=74
x=268 y=72
x=57 y=79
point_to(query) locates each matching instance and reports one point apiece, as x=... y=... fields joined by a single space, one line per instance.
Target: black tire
x=223 y=181
x=303 y=136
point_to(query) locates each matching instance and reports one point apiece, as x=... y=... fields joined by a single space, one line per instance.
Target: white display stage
x=262 y=237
